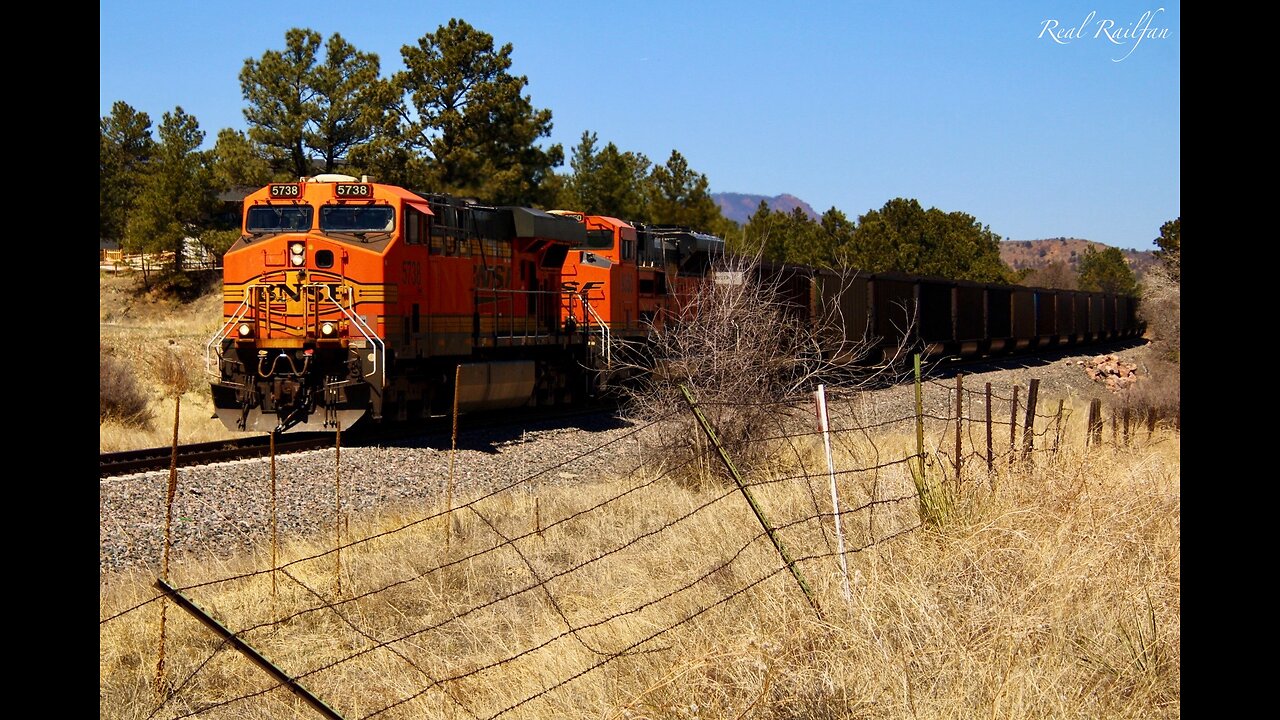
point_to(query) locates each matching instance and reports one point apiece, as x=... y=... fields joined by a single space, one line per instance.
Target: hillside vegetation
x=1038 y=254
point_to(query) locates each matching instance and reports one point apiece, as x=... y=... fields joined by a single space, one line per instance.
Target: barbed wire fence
x=527 y=603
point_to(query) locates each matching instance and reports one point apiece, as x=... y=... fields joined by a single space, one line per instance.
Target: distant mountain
x=739 y=207
x=1035 y=254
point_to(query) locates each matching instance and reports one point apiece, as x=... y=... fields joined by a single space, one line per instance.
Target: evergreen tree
x=302 y=109
x=1170 y=244
x=125 y=148
x=904 y=237
x=345 y=101
x=606 y=182
x=466 y=113
x=678 y=196
x=177 y=197
x=282 y=99
x=239 y=162
x=1106 y=271
x=765 y=234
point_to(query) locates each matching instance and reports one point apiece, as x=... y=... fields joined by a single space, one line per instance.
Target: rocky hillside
x=739 y=207
x=1033 y=254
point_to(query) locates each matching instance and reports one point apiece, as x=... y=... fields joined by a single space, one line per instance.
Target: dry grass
x=159 y=346
x=1050 y=590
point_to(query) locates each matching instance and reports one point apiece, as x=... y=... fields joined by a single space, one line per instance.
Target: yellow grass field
x=1049 y=588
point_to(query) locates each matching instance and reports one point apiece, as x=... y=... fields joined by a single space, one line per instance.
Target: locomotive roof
x=528 y=222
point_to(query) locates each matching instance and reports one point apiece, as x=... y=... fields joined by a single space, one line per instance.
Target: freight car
x=345 y=299
x=882 y=314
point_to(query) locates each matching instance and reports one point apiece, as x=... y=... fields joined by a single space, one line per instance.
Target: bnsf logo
x=356 y=191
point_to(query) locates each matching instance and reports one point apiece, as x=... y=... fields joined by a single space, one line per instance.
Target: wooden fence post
x=1028 y=428
x=1013 y=427
x=959 y=422
x=337 y=517
x=919 y=419
x=1095 y=423
x=990 y=455
x=755 y=507
x=275 y=525
x=1057 y=427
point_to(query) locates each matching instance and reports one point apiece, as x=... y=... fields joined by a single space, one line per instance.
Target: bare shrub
x=1160 y=390
x=119 y=396
x=171 y=370
x=744 y=346
x=1161 y=310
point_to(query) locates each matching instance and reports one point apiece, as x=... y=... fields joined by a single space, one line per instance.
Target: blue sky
x=970 y=106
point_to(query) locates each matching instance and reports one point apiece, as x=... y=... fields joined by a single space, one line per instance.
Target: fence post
x=1151 y=422
x=453 y=448
x=755 y=508
x=919 y=419
x=1013 y=427
x=244 y=647
x=1095 y=422
x=1127 y=416
x=1057 y=427
x=170 y=492
x=337 y=516
x=1028 y=428
x=824 y=425
x=275 y=542
x=959 y=422
x=990 y=456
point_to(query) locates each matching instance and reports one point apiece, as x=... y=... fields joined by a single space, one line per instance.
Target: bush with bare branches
x=1161 y=310
x=119 y=396
x=172 y=370
x=743 y=345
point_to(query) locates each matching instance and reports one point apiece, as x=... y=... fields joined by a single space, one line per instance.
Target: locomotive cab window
x=357 y=218
x=278 y=218
x=598 y=240
x=416 y=226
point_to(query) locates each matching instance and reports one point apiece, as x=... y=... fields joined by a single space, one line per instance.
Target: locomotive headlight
x=245 y=330
x=297 y=253
x=327 y=329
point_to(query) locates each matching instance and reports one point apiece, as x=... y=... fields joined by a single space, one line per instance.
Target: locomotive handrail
x=380 y=348
x=221 y=335
x=542 y=326
x=606 y=335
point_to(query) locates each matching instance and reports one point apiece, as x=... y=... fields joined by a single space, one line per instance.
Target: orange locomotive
x=345 y=298
x=631 y=278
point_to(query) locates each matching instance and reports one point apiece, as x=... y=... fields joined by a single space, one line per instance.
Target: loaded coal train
x=346 y=300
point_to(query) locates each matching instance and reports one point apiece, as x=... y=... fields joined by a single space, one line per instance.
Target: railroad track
x=136 y=461
x=258 y=446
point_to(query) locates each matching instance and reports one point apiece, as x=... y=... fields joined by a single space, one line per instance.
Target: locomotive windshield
x=357 y=218
x=598 y=240
x=278 y=218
